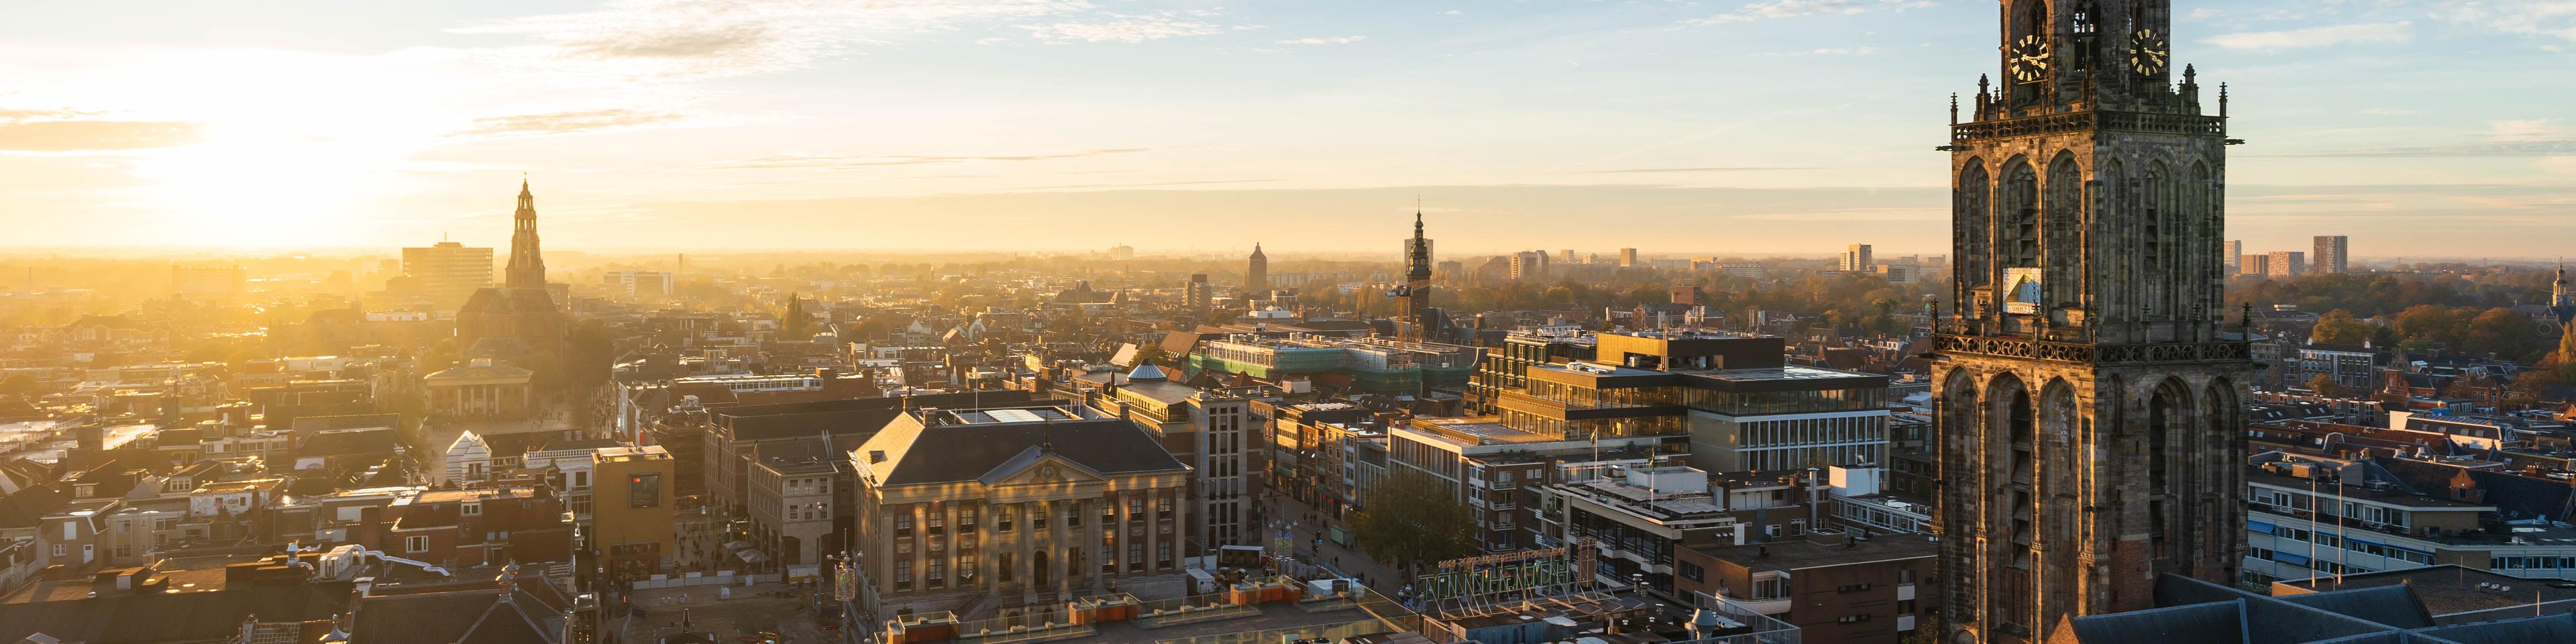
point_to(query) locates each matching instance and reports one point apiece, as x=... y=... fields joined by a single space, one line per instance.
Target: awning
x=737 y=545
x=751 y=556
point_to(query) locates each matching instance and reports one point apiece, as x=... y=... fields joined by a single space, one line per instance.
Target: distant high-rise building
x=2234 y=255
x=1201 y=295
x=1122 y=252
x=207 y=282
x=1565 y=256
x=1529 y=265
x=1856 y=259
x=1256 y=278
x=442 y=275
x=2288 y=263
x=2254 y=265
x=1627 y=258
x=640 y=283
x=2330 y=254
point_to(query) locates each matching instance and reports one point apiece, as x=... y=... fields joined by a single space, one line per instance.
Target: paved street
x=1347 y=562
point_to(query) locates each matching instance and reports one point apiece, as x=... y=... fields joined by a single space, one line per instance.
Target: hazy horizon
x=1773 y=128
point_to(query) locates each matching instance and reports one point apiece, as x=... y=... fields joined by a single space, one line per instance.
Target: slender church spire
x=527 y=264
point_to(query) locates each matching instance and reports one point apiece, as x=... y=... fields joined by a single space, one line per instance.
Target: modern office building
x=1741 y=404
x=442 y=275
x=1856 y=259
x=2288 y=263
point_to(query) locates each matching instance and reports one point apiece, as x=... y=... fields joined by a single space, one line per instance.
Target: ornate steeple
x=2559 y=290
x=1256 y=277
x=527 y=264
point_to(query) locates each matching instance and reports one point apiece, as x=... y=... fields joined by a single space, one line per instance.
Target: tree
x=2326 y=386
x=2340 y=327
x=2500 y=331
x=2530 y=388
x=1409 y=519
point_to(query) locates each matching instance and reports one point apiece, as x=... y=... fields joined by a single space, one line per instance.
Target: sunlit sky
x=2419 y=127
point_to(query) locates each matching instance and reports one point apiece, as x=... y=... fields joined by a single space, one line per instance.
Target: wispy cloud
x=1797 y=8
x=1683 y=170
x=566 y=122
x=2316 y=36
x=2506 y=138
x=23 y=130
x=837 y=162
x=1343 y=40
x=1134 y=28
x=723 y=37
x=2546 y=18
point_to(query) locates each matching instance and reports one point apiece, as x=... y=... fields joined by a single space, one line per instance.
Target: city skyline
x=1068 y=125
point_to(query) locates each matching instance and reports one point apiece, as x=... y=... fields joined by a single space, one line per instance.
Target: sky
x=2420 y=128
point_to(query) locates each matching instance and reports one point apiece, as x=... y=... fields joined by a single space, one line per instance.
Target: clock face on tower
x=2029 y=61
x=2147 y=52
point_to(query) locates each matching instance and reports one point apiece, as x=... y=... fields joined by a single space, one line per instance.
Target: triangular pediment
x=1034 y=468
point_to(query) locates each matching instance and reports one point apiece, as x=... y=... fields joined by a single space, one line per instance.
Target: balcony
x=1904 y=592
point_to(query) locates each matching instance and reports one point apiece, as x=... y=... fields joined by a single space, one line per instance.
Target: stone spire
x=2559 y=293
x=527 y=264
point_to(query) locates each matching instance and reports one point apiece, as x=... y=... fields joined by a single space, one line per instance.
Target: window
x=1135 y=507
x=965 y=568
x=1005 y=567
x=1037 y=518
x=938 y=573
x=59 y=550
x=1002 y=523
x=966 y=520
x=1163 y=555
x=902 y=523
x=936 y=521
x=1073 y=517
x=1135 y=556
x=903 y=575
x=1692 y=571
x=416 y=543
x=471 y=509
x=1907 y=576
x=1164 y=505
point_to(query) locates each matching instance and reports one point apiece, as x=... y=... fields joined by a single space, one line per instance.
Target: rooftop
x=2446 y=588
x=1800 y=554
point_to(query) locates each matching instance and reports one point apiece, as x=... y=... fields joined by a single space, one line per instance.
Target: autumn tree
x=1409 y=518
x=2340 y=327
x=2326 y=386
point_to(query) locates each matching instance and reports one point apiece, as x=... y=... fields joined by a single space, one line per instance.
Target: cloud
x=726 y=37
x=1680 y=170
x=1133 y=28
x=2316 y=36
x=2506 y=138
x=829 y=162
x=1147 y=185
x=2545 y=18
x=1798 y=8
x=1322 y=41
x=20 y=135
x=566 y=122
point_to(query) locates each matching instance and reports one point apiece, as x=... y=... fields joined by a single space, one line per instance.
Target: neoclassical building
x=1033 y=505
x=2090 y=386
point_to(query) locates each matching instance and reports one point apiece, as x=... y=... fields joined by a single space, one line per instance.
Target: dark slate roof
x=2515 y=496
x=338 y=442
x=2213 y=623
x=967 y=452
x=151 y=617
x=2558 y=628
x=29 y=506
x=850 y=416
x=2391 y=605
x=460 y=616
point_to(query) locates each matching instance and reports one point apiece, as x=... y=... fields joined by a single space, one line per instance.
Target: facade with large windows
x=1741 y=404
x=1026 y=504
x=2309 y=516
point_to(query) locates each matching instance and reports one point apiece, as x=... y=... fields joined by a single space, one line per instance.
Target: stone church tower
x=2090 y=419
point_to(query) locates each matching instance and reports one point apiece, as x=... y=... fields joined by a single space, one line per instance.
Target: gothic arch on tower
x=2017 y=234
x=1974 y=227
x=2012 y=427
x=2063 y=229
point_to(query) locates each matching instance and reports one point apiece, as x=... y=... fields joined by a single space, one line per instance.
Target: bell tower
x=2089 y=416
